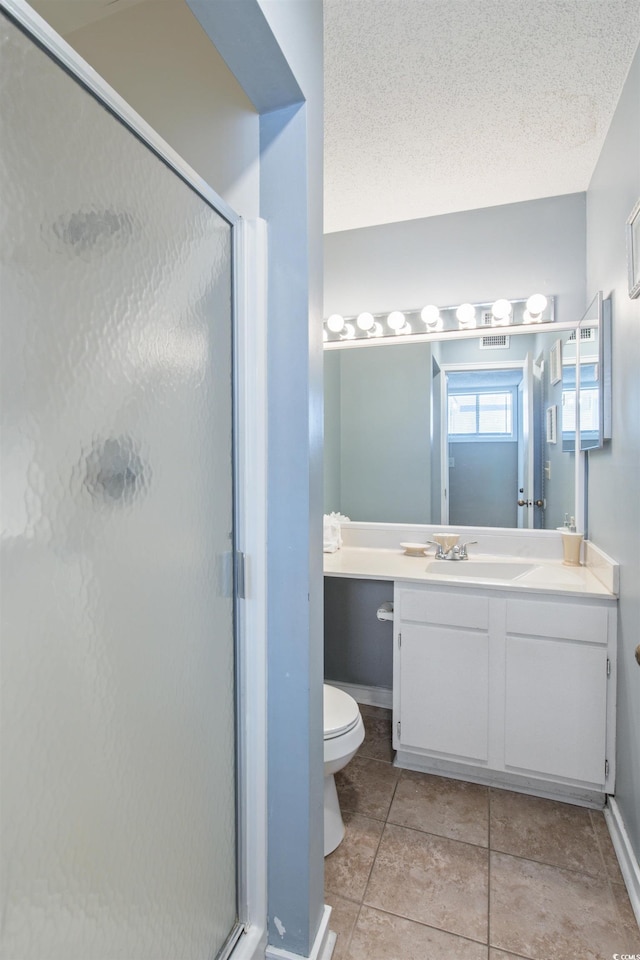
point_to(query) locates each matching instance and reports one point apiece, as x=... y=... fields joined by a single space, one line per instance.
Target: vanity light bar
x=433 y=321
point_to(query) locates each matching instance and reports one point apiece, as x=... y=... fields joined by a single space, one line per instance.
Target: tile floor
x=437 y=869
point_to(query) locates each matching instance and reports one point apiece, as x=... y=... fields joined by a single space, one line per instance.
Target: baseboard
x=251 y=945
x=371 y=696
x=322 y=948
x=504 y=779
x=629 y=865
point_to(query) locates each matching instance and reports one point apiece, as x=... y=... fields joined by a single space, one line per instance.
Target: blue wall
x=479 y=255
x=614 y=507
x=275 y=51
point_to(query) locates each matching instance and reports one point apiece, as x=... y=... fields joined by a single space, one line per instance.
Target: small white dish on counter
x=414 y=549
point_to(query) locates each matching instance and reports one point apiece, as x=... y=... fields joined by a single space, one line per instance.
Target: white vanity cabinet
x=506 y=688
x=443 y=673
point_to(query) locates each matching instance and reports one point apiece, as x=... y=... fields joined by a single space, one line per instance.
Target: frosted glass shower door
x=117 y=647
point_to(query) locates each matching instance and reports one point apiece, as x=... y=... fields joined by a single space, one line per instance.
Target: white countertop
x=547 y=576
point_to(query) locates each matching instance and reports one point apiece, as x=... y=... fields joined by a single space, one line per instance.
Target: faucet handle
x=439 y=554
x=463 y=549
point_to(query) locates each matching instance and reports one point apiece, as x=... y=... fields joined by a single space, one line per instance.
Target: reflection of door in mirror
x=490 y=460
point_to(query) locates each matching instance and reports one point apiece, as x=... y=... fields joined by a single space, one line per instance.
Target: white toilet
x=343 y=734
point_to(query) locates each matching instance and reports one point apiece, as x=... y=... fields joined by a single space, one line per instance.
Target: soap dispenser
x=571 y=543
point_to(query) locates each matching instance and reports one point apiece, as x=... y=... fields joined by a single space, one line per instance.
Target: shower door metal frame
x=248 y=312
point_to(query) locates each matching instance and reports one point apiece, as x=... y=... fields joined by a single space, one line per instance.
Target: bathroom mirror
x=452 y=431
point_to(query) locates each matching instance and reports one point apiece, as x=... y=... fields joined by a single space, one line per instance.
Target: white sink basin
x=480 y=569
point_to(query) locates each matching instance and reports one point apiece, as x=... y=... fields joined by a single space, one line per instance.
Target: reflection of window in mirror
x=569 y=402
x=481 y=414
x=589 y=402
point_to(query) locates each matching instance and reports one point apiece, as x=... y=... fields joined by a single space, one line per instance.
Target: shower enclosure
x=117 y=648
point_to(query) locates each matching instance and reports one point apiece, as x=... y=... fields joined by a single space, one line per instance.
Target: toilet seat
x=341 y=713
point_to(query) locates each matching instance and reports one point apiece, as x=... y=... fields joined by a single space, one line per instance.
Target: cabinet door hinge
x=606 y=769
x=398 y=727
x=399 y=640
x=608 y=667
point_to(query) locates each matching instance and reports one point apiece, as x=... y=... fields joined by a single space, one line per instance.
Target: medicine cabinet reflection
x=586 y=380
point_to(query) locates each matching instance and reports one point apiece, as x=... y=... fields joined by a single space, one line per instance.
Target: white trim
x=251 y=945
x=627 y=859
x=371 y=696
x=52 y=42
x=322 y=948
x=518 y=783
x=251 y=398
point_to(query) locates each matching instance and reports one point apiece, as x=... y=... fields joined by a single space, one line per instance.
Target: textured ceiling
x=436 y=106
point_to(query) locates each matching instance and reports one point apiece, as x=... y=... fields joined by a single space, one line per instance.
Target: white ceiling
x=436 y=106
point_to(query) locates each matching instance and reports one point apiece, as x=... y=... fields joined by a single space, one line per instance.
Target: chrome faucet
x=439 y=554
x=458 y=552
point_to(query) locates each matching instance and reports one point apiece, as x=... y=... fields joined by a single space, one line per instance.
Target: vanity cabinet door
x=444 y=690
x=556 y=690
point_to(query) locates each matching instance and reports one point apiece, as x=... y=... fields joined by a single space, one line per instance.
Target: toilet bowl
x=343 y=734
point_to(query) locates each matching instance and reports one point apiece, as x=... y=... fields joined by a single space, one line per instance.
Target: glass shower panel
x=117 y=648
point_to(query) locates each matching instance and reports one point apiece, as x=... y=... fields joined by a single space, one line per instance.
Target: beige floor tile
x=381 y=936
x=547 y=913
x=433 y=880
x=627 y=918
x=377 y=740
x=366 y=786
x=606 y=846
x=501 y=955
x=368 y=711
x=544 y=830
x=344 y=914
x=448 y=808
x=347 y=869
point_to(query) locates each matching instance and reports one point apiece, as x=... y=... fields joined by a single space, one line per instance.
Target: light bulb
x=466 y=314
x=404 y=330
x=376 y=330
x=365 y=321
x=528 y=318
x=500 y=313
x=349 y=331
x=430 y=314
x=396 y=320
x=536 y=304
x=335 y=323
